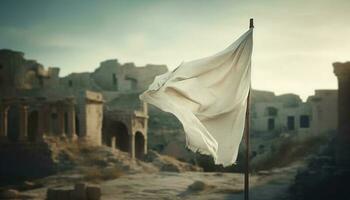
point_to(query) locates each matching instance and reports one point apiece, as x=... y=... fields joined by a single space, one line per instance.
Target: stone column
x=342 y=71
x=3 y=123
x=112 y=142
x=145 y=108
x=71 y=123
x=41 y=124
x=145 y=150
x=132 y=145
x=61 y=124
x=23 y=123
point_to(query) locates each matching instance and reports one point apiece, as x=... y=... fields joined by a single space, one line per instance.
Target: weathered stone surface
x=9 y=194
x=342 y=71
x=79 y=192
x=93 y=193
x=59 y=194
x=169 y=164
x=199 y=186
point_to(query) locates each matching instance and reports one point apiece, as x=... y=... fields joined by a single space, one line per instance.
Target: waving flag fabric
x=209 y=97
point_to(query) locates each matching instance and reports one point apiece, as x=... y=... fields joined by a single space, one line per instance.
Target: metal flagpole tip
x=251 y=23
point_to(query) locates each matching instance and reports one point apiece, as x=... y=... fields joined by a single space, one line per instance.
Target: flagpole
x=247 y=144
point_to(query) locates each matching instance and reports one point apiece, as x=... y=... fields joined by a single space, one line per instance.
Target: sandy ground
x=267 y=185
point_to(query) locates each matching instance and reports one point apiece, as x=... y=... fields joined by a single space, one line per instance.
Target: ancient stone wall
x=113 y=76
x=18 y=73
x=78 y=81
x=110 y=76
x=145 y=75
x=324 y=111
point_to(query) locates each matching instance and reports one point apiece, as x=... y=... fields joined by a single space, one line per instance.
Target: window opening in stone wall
x=304 y=121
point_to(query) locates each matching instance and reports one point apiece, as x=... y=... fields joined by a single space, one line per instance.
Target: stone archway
x=139 y=145
x=116 y=134
x=13 y=123
x=33 y=128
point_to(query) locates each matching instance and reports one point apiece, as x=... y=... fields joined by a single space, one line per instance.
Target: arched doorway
x=139 y=145
x=33 y=125
x=117 y=133
x=122 y=136
x=13 y=123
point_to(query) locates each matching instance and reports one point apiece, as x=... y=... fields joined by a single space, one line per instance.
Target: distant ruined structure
x=102 y=108
x=35 y=103
x=288 y=114
x=327 y=173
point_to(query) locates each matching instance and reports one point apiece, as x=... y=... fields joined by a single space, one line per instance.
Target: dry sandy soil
x=267 y=185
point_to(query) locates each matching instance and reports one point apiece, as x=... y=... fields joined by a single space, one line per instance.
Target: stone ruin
x=327 y=174
x=127 y=130
x=36 y=104
x=81 y=191
x=288 y=114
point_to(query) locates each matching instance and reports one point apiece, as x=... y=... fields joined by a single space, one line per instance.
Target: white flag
x=209 y=97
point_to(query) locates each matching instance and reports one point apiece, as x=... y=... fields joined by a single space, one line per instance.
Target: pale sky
x=295 y=41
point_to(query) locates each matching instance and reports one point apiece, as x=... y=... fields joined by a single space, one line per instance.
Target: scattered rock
x=9 y=194
x=168 y=167
x=151 y=155
x=199 y=186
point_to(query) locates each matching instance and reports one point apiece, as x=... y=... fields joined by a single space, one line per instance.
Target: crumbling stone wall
x=116 y=77
x=18 y=73
x=324 y=111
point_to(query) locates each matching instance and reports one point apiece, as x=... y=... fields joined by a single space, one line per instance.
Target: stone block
x=79 y=192
x=93 y=193
x=197 y=186
x=59 y=194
